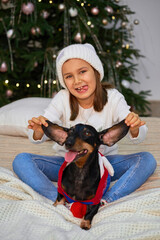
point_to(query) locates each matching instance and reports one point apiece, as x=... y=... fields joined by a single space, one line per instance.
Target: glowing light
x=39 y=86
x=54 y=81
x=113 y=17
x=7 y=81
x=127 y=46
x=45 y=81
x=27 y=85
x=39 y=0
x=17 y=84
x=50 y=1
x=82 y=4
x=89 y=23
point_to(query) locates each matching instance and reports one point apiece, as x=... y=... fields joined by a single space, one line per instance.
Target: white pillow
x=14 y=116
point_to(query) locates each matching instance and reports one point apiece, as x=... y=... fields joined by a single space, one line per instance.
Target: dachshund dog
x=80 y=177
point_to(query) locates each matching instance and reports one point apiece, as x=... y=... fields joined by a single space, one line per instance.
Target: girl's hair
x=101 y=98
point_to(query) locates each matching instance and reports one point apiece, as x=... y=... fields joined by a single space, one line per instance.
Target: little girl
x=84 y=100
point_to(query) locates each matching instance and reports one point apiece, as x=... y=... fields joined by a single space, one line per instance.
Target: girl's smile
x=80 y=80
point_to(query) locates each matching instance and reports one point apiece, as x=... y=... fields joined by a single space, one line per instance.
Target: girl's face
x=80 y=80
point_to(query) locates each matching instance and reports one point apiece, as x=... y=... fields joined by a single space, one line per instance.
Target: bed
x=24 y=214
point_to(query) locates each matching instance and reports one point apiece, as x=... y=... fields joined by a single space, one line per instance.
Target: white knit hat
x=83 y=51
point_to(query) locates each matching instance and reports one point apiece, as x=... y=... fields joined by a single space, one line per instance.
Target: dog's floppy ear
x=112 y=135
x=55 y=132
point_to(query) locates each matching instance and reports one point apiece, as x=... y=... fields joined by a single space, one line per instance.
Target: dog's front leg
x=60 y=200
x=91 y=211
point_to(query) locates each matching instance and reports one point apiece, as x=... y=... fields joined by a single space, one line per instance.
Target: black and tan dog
x=80 y=178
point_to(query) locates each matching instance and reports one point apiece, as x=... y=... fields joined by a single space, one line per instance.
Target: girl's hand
x=135 y=123
x=36 y=125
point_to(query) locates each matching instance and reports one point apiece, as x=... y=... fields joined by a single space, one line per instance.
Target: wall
x=147 y=39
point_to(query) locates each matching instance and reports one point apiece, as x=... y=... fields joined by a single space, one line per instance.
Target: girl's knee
x=149 y=161
x=19 y=161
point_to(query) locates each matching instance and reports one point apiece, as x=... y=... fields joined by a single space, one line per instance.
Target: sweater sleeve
x=120 y=111
x=119 y=107
x=53 y=113
x=141 y=136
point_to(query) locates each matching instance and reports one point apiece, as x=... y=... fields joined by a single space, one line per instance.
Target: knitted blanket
x=24 y=214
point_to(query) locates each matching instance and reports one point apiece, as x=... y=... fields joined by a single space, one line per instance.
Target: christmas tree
x=33 y=32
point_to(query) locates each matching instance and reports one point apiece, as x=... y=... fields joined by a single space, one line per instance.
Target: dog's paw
x=85 y=224
x=61 y=202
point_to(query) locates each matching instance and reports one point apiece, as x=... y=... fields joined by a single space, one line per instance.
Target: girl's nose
x=77 y=80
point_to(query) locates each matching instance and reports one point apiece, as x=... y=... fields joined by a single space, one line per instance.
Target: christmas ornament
x=104 y=21
x=118 y=64
x=61 y=6
x=136 y=21
x=73 y=12
x=54 y=93
x=3 y=67
x=10 y=33
x=27 y=8
x=35 y=30
x=35 y=64
x=95 y=11
x=125 y=83
x=109 y=9
x=4 y=1
x=45 y=14
x=9 y=93
x=79 y=38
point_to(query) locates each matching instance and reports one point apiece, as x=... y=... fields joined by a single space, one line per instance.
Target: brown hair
x=101 y=98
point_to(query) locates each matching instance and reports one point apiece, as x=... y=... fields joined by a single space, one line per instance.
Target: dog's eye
x=87 y=133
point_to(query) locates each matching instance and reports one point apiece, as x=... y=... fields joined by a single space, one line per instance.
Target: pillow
x=14 y=116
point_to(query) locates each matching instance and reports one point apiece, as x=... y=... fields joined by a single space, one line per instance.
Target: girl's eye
x=69 y=76
x=83 y=71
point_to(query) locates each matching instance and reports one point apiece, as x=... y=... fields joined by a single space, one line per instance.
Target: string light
x=17 y=84
x=127 y=46
x=50 y=1
x=54 y=81
x=39 y=0
x=6 y=81
x=27 y=85
x=45 y=81
x=82 y=4
x=39 y=86
x=89 y=23
x=113 y=18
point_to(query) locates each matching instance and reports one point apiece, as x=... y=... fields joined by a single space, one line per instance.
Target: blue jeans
x=131 y=171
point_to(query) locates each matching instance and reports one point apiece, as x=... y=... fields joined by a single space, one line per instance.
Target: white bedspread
x=24 y=214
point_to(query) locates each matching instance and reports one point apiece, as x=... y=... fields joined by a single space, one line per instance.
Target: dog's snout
x=69 y=142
